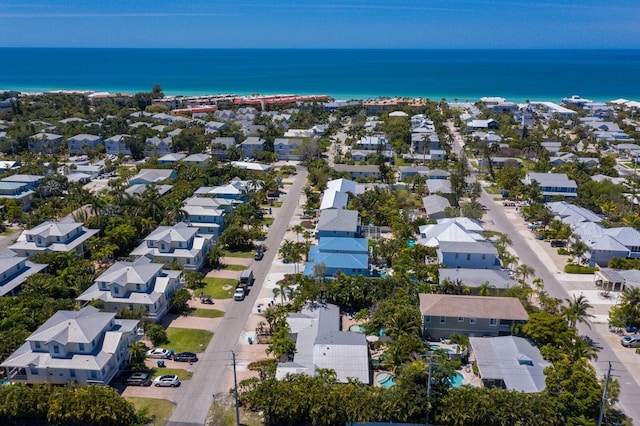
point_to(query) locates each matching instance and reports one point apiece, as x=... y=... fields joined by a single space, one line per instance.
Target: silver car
x=168 y=380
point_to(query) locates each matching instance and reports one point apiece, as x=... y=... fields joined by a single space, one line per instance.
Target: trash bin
x=250 y=340
x=161 y=363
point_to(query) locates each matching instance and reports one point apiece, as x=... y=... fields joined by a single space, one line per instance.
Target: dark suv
x=185 y=357
x=558 y=243
x=138 y=379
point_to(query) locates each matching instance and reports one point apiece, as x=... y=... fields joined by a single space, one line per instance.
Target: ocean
x=343 y=74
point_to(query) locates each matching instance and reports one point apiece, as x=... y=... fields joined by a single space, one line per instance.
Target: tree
x=179 y=301
x=486 y=289
x=524 y=271
x=193 y=280
x=577 y=310
x=156 y=333
x=137 y=352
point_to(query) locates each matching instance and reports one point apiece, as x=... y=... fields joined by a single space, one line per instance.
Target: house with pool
x=445 y=314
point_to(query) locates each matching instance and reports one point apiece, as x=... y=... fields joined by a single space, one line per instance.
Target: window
x=138 y=287
x=72 y=373
x=81 y=347
x=472 y=320
x=93 y=374
x=116 y=290
x=460 y=319
x=443 y=320
x=427 y=319
x=493 y=322
x=33 y=371
x=56 y=349
x=37 y=345
x=468 y=256
x=484 y=256
x=457 y=255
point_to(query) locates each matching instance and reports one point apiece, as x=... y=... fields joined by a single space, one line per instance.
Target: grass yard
x=160 y=408
x=243 y=254
x=223 y=414
x=206 y=313
x=233 y=267
x=267 y=221
x=187 y=340
x=214 y=287
x=182 y=374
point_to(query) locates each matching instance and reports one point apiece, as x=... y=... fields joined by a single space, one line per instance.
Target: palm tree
x=577 y=310
x=524 y=271
x=486 y=289
x=502 y=242
x=631 y=300
x=298 y=229
x=137 y=352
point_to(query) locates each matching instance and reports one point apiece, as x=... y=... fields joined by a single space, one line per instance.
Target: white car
x=168 y=380
x=158 y=353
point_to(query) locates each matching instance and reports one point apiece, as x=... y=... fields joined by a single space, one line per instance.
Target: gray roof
x=435 y=203
x=81 y=326
x=477 y=277
x=557 y=180
x=338 y=220
x=439 y=185
x=510 y=359
x=371 y=168
x=480 y=247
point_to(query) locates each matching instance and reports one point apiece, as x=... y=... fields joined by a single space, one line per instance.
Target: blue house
x=338 y=223
x=474 y=255
x=349 y=256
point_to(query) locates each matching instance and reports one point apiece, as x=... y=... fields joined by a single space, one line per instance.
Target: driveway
x=193 y=404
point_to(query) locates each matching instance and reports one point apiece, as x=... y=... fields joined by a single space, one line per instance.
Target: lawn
x=206 y=313
x=187 y=339
x=234 y=267
x=399 y=161
x=244 y=254
x=160 y=408
x=222 y=414
x=182 y=374
x=267 y=221
x=214 y=287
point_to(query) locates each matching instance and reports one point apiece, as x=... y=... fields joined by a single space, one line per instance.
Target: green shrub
x=578 y=269
x=563 y=251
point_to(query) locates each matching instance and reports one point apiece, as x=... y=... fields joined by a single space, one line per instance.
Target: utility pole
x=235 y=388
x=604 y=395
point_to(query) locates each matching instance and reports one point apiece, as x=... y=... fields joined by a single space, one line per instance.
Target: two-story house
x=208 y=220
x=200 y=160
x=117 y=144
x=338 y=223
x=355 y=171
x=252 y=146
x=553 y=185
x=14 y=270
x=64 y=236
x=287 y=148
x=32 y=181
x=178 y=243
x=149 y=176
x=78 y=143
x=471 y=255
x=47 y=143
x=445 y=314
x=220 y=147
x=135 y=285
x=85 y=346
x=171 y=158
x=19 y=192
x=157 y=146
x=349 y=256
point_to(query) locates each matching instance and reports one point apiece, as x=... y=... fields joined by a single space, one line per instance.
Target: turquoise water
x=343 y=74
x=386 y=380
x=456 y=379
x=437 y=347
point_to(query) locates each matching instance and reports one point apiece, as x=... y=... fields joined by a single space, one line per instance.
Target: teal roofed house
x=349 y=256
x=19 y=192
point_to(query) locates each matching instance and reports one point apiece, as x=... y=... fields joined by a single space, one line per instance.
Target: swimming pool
x=386 y=380
x=357 y=328
x=456 y=380
x=438 y=347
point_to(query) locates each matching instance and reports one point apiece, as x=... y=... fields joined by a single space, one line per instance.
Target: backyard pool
x=357 y=328
x=386 y=380
x=456 y=379
x=438 y=347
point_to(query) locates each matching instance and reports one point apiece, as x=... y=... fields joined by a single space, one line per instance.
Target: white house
x=135 y=285
x=77 y=144
x=63 y=236
x=117 y=144
x=14 y=270
x=85 y=346
x=42 y=142
x=178 y=243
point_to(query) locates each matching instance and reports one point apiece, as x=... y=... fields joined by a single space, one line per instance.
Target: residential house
x=178 y=243
x=424 y=142
x=616 y=280
x=349 y=256
x=406 y=172
x=436 y=174
x=135 y=285
x=439 y=186
x=435 y=206
x=14 y=270
x=473 y=255
x=356 y=172
x=483 y=124
x=501 y=162
x=157 y=146
x=170 y=159
x=553 y=185
x=372 y=142
x=219 y=203
x=321 y=345
x=433 y=235
x=338 y=223
x=5 y=166
x=44 y=143
x=571 y=214
x=85 y=347
x=32 y=181
x=343 y=185
x=332 y=199
x=235 y=190
x=208 y=220
x=252 y=146
x=117 y=144
x=509 y=362
x=498 y=279
x=138 y=189
x=605 y=244
x=252 y=166
x=63 y=236
x=78 y=143
x=214 y=126
x=446 y=314
x=149 y=176
x=287 y=148
x=220 y=147
x=200 y=160
x=19 y=192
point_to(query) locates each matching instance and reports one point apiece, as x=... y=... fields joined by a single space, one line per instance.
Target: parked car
x=239 y=293
x=138 y=379
x=185 y=357
x=258 y=256
x=158 y=353
x=168 y=380
x=558 y=243
x=631 y=341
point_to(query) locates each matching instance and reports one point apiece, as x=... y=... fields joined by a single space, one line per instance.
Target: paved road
x=193 y=406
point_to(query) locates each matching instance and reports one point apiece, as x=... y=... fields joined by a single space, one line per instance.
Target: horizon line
x=326 y=48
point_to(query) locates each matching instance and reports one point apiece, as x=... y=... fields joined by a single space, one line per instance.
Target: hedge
x=577 y=269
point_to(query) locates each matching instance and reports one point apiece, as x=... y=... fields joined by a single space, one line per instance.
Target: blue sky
x=321 y=24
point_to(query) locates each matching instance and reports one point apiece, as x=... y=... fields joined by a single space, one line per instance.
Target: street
x=193 y=405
